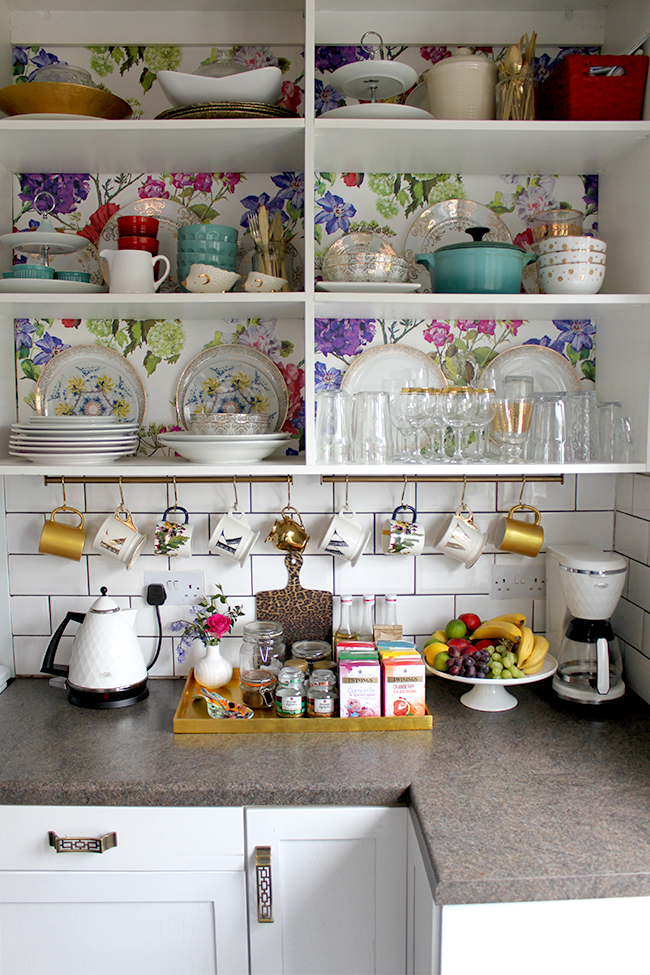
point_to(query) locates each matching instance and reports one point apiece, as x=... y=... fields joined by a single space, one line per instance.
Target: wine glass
x=414 y=405
x=486 y=406
x=457 y=407
x=511 y=422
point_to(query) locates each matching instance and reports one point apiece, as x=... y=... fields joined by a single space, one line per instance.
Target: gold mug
x=521 y=537
x=66 y=541
x=288 y=535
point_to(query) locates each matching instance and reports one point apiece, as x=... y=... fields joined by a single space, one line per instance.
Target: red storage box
x=574 y=92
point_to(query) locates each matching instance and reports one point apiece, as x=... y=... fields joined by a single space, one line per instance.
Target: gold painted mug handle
x=525 y=507
x=66 y=508
x=128 y=521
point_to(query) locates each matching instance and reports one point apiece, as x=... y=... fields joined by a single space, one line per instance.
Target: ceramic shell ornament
x=207 y=279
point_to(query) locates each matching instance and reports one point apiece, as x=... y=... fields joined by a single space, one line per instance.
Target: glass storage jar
x=258 y=688
x=263 y=647
x=290 y=698
x=322 y=696
x=311 y=651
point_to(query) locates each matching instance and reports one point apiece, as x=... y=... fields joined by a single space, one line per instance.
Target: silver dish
x=363 y=257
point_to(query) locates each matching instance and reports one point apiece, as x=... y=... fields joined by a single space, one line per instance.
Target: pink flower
x=353 y=179
x=291 y=96
x=152 y=188
x=230 y=180
x=71 y=322
x=217 y=625
x=434 y=53
x=98 y=220
x=439 y=333
x=514 y=325
x=486 y=326
x=203 y=182
x=524 y=239
x=182 y=179
x=294 y=377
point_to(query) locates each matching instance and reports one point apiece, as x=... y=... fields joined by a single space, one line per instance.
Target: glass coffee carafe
x=590 y=665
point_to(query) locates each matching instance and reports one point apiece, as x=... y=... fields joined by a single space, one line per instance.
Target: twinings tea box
x=396 y=645
x=359 y=688
x=353 y=646
x=403 y=686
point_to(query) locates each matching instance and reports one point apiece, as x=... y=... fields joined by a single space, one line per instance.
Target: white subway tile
x=595 y=529
x=443 y=496
x=539 y=615
x=61 y=605
x=636 y=672
x=546 y=496
x=641 y=497
x=438 y=574
x=30 y=615
x=638 y=586
x=120 y=581
x=31 y=574
x=28 y=493
x=29 y=652
x=631 y=537
x=628 y=623
x=423 y=615
x=486 y=608
x=644 y=646
x=624 y=492
x=235 y=578
x=164 y=665
x=511 y=558
x=270 y=572
x=379 y=574
x=596 y=492
x=307 y=495
x=24 y=532
x=150 y=498
x=211 y=498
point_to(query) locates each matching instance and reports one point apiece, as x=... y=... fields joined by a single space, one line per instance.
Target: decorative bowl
x=62 y=99
x=578 y=279
x=208 y=232
x=66 y=74
x=363 y=257
x=557 y=223
x=82 y=276
x=554 y=244
x=262 y=85
x=184 y=267
x=578 y=256
x=229 y=424
x=138 y=226
x=206 y=279
x=31 y=271
x=151 y=244
x=197 y=246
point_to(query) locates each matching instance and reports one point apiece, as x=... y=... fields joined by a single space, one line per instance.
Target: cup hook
x=401 y=500
x=289 y=505
x=523 y=485
x=234 y=487
x=462 y=497
x=65 y=504
x=175 y=494
x=122 y=501
x=347 y=491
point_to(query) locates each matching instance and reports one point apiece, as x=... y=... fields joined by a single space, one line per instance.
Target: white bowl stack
x=73 y=439
x=571 y=265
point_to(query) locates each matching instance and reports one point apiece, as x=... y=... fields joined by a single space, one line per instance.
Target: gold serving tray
x=192 y=717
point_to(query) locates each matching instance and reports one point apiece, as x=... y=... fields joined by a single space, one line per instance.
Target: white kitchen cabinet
x=618 y=151
x=168 y=899
x=337 y=901
x=423 y=915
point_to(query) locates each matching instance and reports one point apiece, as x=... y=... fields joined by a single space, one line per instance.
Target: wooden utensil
x=305 y=614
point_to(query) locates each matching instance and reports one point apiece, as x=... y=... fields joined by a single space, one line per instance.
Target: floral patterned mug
x=400 y=537
x=173 y=537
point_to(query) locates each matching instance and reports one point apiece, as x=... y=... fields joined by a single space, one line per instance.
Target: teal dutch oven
x=477 y=267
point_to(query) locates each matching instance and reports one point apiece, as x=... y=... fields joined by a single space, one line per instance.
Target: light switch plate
x=182 y=588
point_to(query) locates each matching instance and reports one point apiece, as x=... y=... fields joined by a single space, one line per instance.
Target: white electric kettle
x=107 y=669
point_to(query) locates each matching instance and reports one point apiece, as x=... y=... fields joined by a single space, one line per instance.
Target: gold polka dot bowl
x=581 y=278
x=556 y=245
x=577 y=256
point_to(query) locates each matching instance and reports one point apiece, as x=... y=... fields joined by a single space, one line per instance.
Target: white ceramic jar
x=463 y=86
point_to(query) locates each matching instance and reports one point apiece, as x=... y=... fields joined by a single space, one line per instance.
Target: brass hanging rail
x=440 y=478
x=172 y=478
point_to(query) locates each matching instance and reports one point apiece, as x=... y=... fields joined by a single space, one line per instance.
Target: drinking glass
x=415 y=406
x=583 y=422
x=457 y=407
x=609 y=421
x=511 y=423
x=518 y=387
x=485 y=401
x=549 y=443
x=332 y=427
x=371 y=428
x=402 y=430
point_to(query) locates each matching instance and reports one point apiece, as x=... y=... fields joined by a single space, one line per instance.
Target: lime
x=456 y=629
x=440 y=661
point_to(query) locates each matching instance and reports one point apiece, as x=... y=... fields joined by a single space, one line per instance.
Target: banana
x=518 y=619
x=501 y=630
x=528 y=671
x=526 y=645
x=534 y=662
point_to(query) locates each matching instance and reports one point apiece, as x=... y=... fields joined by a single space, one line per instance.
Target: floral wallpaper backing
x=385 y=203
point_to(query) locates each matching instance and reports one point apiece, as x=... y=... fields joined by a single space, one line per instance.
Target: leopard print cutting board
x=305 y=614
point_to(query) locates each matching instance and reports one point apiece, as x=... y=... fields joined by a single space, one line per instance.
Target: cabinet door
x=423 y=914
x=337 y=890
x=150 y=923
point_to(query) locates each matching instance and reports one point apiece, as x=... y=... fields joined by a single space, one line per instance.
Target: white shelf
x=150 y=146
x=181 y=305
x=472 y=148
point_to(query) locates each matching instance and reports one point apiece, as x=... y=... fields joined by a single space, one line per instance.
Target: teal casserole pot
x=476 y=267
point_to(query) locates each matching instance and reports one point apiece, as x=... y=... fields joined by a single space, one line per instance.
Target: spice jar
x=290 y=699
x=311 y=651
x=263 y=647
x=322 y=696
x=301 y=665
x=257 y=688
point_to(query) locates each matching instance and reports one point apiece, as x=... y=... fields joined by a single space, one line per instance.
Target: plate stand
x=489 y=697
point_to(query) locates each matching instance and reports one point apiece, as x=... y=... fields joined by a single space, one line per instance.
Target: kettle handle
x=48 y=666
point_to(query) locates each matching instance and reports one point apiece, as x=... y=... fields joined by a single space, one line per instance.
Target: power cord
x=156 y=596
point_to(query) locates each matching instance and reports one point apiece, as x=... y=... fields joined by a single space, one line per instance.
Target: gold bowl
x=60 y=98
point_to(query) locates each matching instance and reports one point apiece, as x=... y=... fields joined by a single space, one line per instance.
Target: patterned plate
x=232 y=378
x=228 y=110
x=171 y=216
x=89 y=380
x=449 y=218
x=375 y=368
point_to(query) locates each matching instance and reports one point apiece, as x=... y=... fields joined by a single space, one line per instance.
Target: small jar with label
x=257 y=688
x=311 y=651
x=290 y=698
x=322 y=696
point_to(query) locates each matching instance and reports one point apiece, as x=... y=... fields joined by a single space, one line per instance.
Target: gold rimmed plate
x=227 y=110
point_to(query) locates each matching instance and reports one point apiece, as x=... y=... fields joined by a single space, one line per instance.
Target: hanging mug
x=173 y=537
x=233 y=537
x=460 y=538
x=400 y=537
x=66 y=541
x=118 y=538
x=521 y=537
x=286 y=534
x=345 y=537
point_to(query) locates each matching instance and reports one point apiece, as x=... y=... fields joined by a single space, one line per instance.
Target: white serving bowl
x=230 y=451
x=258 y=85
x=575 y=279
x=572 y=257
x=551 y=245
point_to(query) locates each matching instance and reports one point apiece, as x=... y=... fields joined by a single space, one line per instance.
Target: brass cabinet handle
x=264 y=890
x=82 y=844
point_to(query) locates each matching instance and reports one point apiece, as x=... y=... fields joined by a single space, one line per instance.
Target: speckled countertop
x=530 y=804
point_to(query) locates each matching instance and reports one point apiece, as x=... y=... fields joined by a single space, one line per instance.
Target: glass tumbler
x=584 y=433
x=549 y=443
x=333 y=427
x=371 y=428
x=511 y=423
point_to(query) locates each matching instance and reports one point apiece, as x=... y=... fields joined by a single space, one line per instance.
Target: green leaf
x=23 y=352
x=318 y=233
x=482 y=354
x=204 y=212
x=150 y=362
x=292 y=212
x=584 y=353
x=589 y=370
x=571 y=354
x=121 y=338
x=147 y=79
x=284 y=64
x=286 y=348
x=30 y=370
x=329 y=178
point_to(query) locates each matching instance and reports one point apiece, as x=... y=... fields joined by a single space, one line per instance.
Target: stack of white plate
x=215 y=449
x=73 y=439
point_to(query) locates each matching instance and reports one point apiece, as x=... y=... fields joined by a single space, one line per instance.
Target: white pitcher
x=131 y=272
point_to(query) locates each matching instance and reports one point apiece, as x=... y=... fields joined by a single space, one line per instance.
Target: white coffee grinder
x=583 y=587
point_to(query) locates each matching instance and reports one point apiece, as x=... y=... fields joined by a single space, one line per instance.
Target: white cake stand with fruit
x=491 y=694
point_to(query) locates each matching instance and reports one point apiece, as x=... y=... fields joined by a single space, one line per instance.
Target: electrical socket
x=182 y=588
x=518 y=581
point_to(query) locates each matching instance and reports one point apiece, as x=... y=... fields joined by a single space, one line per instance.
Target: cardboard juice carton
x=359 y=688
x=403 y=686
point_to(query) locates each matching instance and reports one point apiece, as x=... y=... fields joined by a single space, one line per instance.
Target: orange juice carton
x=359 y=688
x=403 y=686
x=353 y=646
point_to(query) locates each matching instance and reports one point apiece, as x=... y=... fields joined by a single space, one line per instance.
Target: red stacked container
x=573 y=92
x=138 y=233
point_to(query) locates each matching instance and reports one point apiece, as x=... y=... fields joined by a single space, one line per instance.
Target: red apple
x=483 y=644
x=460 y=643
x=471 y=621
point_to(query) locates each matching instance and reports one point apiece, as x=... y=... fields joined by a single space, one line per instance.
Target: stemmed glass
x=415 y=406
x=486 y=406
x=511 y=422
x=457 y=408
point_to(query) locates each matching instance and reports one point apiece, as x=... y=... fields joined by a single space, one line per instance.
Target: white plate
x=41 y=286
x=90 y=380
x=258 y=85
x=44 y=443
x=380 y=110
x=491 y=695
x=376 y=368
x=235 y=451
x=367 y=287
x=232 y=378
x=419 y=97
x=551 y=372
x=448 y=219
x=34 y=241
x=390 y=78
x=76 y=459
x=170 y=217
x=51 y=117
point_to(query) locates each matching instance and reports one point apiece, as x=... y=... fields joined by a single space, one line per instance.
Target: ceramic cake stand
x=492 y=695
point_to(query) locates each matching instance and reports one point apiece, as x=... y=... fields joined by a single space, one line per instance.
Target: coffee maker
x=583 y=587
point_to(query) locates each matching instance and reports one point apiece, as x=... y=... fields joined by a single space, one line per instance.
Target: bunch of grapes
x=468 y=664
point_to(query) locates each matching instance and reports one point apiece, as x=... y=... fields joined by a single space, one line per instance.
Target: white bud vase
x=212 y=670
